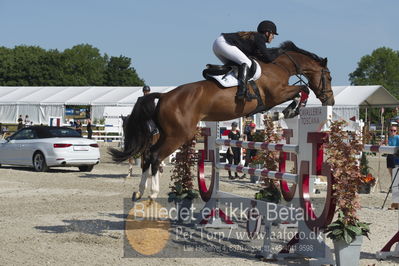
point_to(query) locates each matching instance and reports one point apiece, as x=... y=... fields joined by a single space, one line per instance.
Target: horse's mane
x=287 y=46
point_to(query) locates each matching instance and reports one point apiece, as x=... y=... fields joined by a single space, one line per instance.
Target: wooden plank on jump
x=258 y=145
x=292 y=178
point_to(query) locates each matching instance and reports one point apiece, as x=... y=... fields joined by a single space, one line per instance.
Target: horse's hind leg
x=145 y=166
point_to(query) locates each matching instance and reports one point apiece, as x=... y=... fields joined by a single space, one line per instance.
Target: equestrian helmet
x=267 y=26
x=146 y=88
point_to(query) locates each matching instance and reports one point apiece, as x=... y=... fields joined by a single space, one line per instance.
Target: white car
x=43 y=147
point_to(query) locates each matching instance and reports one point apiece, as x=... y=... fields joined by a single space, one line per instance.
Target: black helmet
x=146 y=88
x=234 y=124
x=267 y=26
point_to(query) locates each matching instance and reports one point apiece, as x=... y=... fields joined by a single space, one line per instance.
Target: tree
x=120 y=73
x=81 y=65
x=379 y=68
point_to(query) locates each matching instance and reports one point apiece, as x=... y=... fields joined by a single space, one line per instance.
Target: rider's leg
x=230 y=53
x=242 y=81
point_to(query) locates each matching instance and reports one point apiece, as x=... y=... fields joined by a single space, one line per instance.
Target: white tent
x=348 y=100
x=40 y=103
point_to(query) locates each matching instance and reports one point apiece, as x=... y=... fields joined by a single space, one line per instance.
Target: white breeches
x=226 y=52
x=154 y=180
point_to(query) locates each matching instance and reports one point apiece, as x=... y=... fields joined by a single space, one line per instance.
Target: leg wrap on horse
x=154 y=180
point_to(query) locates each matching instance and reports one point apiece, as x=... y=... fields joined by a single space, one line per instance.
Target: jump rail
x=386 y=250
x=309 y=158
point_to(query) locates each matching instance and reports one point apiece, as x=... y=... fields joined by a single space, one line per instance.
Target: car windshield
x=62 y=132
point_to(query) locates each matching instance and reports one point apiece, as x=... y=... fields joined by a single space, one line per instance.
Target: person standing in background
x=249 y=136
x=392 y=159
x=79 y=127
x=234 y=153
x=27 y=121
x=89 y=129
x=393 y=140
x=20 y=123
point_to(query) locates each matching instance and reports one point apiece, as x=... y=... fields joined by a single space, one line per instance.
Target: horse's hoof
x=136 y=196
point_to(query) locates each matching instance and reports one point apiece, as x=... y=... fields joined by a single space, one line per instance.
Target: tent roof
x=359 y=96
x=74 y=95
x=363 y=96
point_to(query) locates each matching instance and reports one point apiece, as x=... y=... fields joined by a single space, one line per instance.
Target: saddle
x=216 y=70
x=226 y=76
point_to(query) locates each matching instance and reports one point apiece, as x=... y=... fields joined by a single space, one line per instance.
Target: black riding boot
x=242 y=81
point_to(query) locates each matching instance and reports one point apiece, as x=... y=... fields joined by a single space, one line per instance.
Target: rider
x=236 y=47
x=146 y=89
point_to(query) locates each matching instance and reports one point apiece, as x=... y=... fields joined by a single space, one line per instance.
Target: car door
x=5 y=151
x=10 y=149
x=27 y=142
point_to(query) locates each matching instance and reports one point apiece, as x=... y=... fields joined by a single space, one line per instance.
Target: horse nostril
x=330 y=102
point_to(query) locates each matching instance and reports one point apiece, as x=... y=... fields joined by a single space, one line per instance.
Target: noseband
x=322 y=92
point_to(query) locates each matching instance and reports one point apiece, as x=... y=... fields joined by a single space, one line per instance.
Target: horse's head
x=314 y=68
x=320 y=80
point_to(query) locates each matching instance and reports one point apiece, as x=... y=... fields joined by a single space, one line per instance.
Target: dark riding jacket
x=250 y=43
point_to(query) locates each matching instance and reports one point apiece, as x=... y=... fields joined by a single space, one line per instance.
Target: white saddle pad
x=230 y=80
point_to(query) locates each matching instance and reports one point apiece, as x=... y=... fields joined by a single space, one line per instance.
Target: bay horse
x=178 y=111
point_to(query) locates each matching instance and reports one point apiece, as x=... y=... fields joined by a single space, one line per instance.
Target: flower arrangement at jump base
x=367 y=179
x=182 y=186
x=269 y=159
x=342 y=151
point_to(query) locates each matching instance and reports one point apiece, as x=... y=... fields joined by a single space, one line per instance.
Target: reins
x=299 y=73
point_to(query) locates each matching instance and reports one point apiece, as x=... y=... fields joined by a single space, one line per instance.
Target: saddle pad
x=230 y=80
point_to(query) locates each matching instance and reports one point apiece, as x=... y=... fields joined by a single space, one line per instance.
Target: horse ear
x=324 y=62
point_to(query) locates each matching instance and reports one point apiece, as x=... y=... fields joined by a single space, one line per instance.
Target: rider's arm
x=263 y=52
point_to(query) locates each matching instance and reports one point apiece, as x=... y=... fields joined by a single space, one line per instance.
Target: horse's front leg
x=293 y=93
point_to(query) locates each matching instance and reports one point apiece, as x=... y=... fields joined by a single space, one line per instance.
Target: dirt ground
x=66 y=217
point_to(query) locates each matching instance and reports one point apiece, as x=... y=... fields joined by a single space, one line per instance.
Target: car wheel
x=39 y=162
x=86 y=168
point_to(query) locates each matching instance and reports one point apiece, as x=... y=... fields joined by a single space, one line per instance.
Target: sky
x=170 y=41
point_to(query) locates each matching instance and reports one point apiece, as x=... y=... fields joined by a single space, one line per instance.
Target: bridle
x=321 y=92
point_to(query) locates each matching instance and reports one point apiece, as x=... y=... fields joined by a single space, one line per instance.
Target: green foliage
x=81 y=65
x=379 y=68
x=182 y=186
x=339 y=230
x=270 y=160
x=119 y=72
x=364 y=165
x=342 y=151
x=269 y=193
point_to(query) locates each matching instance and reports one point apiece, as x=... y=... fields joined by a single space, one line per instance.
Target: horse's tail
x=137 y=130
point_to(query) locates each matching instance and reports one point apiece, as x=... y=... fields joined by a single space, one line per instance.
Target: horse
x=178 y=111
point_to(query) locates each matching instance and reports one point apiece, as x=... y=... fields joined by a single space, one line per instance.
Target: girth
x=261 y=107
